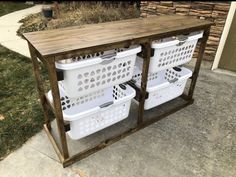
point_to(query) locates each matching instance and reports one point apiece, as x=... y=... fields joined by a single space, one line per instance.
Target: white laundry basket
x=162 y=86
x=173 y=51
x=90 y=113
x=90 y=73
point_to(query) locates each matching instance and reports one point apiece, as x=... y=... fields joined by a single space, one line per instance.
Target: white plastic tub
x=173 y=51
x=89 y=73
x=95 y=111
x=162 y=86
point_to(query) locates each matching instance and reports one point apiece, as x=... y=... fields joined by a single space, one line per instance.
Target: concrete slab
x=205 y=63
x=42 y=144
x=17 y=45
x=29 y=162
x=196 y=141
x=223 y=71
x=8 y=27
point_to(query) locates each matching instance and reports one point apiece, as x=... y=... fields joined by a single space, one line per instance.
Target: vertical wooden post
x=57 y=107
x=40 y=86
x=198 y=62
x=146 y=61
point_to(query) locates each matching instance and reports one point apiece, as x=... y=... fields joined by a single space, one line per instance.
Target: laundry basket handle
x=108 y=58
x=173 y=80
x=182 y=39
x=106 y=104
x=122 y=86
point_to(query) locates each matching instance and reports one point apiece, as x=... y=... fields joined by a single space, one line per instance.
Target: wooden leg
x=40 y=87
x=146 y=61
x=57 y=107
x=198 y=63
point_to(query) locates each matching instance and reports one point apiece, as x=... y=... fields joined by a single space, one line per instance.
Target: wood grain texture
x=57 y=106
x=147 y=54
x=198 y=62
x=40 y=86
x=66 y=40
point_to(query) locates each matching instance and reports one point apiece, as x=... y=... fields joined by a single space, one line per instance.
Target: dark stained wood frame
x=61 y=148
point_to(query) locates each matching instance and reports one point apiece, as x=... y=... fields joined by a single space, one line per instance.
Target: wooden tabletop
x=60 y=41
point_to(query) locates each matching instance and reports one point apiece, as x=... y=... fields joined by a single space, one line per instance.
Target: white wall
x=224 y=35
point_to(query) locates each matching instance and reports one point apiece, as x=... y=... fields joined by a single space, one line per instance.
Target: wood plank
x=198 y=62
x=40 y=86
x=65 y=40
x=57 y=105
x=144 y=79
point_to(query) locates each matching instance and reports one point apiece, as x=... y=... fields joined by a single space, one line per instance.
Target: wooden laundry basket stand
x=58 y=44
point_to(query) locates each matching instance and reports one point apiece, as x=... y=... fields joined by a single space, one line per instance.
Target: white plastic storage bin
x=95 y=111
x=162 y=86
x=173 y=51
x=89 y=73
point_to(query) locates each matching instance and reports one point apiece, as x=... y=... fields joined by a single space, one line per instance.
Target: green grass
x=20 y=112
x=8 y=7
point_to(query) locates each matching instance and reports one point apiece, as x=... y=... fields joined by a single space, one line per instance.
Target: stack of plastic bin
x=166 y=78
x=92 y=93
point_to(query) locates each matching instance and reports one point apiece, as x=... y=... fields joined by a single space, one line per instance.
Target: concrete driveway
x=8 y=27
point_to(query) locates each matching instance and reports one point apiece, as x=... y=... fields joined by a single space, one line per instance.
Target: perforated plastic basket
x=89 y=73
x=173 y=51
x=162 y=86
x=90 y=113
